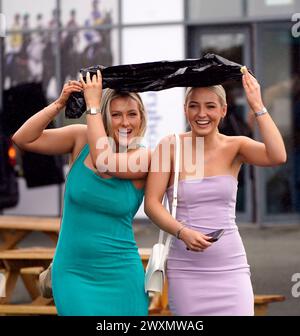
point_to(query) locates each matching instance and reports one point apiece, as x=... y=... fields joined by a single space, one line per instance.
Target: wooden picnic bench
x=261 y=303
x=14 y=229
x=27 y=263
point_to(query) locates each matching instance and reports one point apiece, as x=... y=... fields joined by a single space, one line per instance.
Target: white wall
x=152 y=11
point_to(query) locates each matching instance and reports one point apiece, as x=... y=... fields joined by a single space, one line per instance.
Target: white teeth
x=202 y=122
x=124 y=131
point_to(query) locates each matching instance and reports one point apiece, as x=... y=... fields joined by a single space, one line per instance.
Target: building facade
x=50 y=41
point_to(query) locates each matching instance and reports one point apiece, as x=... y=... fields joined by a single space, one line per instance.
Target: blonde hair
x=110 y=94
x=217 y=89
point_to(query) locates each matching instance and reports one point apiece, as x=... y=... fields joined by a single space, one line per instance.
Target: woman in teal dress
x=96 y=269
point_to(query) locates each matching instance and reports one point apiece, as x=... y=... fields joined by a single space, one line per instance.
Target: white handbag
x=2 y=285
x=156 y=267
x=45 y=282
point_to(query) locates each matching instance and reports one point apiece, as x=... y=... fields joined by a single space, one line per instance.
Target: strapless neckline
x=204 y=178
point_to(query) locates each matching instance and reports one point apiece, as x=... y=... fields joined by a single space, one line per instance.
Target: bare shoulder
x=148 y=151
x=143 y=153
x=167 y=139
x=235 y=140
x=166 y=145
x=242 y=140
x=170 y=139
x=231 y=146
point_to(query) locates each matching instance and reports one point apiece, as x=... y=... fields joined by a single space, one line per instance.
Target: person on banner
x=97 y=269
x=16 y=38
x=205 y=276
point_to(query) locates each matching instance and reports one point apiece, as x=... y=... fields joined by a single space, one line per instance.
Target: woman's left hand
x=92 y=89
x=252 y=90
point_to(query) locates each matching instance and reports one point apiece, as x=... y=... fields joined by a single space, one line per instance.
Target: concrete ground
x=273 y=254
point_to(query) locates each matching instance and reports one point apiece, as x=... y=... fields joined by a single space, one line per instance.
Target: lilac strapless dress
x=216 y=281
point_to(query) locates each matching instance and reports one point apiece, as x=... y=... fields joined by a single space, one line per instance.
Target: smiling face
x=204 y=110
x=125 y=119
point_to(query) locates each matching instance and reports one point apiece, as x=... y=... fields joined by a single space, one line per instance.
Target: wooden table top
x=28 y=253
x=51 y=224
x=47 y=253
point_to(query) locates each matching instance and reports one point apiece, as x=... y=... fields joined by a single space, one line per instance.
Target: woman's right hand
x=70 y=87
x=194 y=240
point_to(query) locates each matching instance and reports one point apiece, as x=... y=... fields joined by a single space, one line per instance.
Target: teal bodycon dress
x=97 y=269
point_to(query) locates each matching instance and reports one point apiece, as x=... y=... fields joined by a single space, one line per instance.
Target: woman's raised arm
x=32 y=135
x=132 y=164
x=271 y=151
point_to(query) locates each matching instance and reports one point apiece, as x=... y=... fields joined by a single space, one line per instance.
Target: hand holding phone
x=215 y=235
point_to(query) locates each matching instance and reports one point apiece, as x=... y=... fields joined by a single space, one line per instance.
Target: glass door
x=278 y=63
x=233 y=44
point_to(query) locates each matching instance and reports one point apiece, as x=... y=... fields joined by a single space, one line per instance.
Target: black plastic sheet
x=154 y=76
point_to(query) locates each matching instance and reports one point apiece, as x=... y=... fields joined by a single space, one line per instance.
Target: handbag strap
x=176 y=175
x=161 y=232
x=175 y=192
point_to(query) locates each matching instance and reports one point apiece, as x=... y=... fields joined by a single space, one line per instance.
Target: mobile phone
x=215 y=235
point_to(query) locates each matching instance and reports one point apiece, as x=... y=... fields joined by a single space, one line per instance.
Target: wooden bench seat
x=27 y=309
x=261 y=303
x=28 y=253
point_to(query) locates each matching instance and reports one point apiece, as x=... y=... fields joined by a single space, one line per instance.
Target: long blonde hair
x=110 y=94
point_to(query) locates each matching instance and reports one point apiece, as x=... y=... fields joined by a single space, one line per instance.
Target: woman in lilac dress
x=208 y=278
